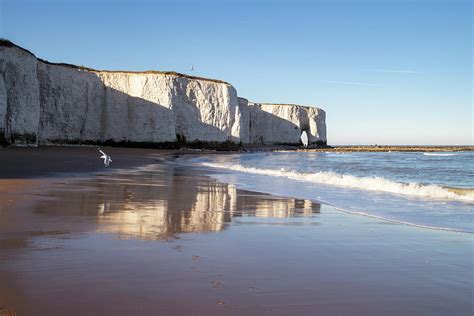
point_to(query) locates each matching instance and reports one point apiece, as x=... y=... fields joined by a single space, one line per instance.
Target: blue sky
x=386 y=72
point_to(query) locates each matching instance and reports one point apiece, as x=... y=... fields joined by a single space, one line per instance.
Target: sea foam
x=439 y=154
x=361 y=183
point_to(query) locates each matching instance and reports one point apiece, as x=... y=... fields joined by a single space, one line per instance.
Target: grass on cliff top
x=284 y=104
x=268 y=103
x=7 y=43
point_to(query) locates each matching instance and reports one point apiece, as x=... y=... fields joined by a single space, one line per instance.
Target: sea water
x=429 y=190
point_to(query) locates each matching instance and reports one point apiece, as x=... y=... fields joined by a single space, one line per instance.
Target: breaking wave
x=439 y=154
x=361 y=183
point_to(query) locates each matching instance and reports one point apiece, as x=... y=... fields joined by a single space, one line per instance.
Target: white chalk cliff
x=44 y=103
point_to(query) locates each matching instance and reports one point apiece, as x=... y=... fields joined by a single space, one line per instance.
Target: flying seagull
x=304 y=139
x=107 y=159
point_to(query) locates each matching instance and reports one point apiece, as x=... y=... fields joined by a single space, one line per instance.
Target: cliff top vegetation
x=7 y=43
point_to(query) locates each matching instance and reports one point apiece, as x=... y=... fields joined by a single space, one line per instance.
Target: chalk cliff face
x=43 y=103
x=19 y=98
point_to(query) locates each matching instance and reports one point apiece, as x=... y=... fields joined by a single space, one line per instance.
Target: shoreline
x=229 y=148
x=172 y=240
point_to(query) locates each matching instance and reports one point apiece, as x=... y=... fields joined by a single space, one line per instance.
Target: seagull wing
x=102 y=152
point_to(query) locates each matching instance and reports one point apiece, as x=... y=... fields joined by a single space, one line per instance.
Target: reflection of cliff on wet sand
x=155 y=204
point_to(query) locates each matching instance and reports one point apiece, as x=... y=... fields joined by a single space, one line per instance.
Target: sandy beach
x=236 y=158
x=150 y=237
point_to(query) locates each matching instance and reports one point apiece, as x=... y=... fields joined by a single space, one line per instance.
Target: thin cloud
x=398 y=71
x=352 y=83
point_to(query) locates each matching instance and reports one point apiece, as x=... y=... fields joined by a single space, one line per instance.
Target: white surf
x=439 y=154
x=361 y=183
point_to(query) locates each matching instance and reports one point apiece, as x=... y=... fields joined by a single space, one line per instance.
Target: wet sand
x=168 y=240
